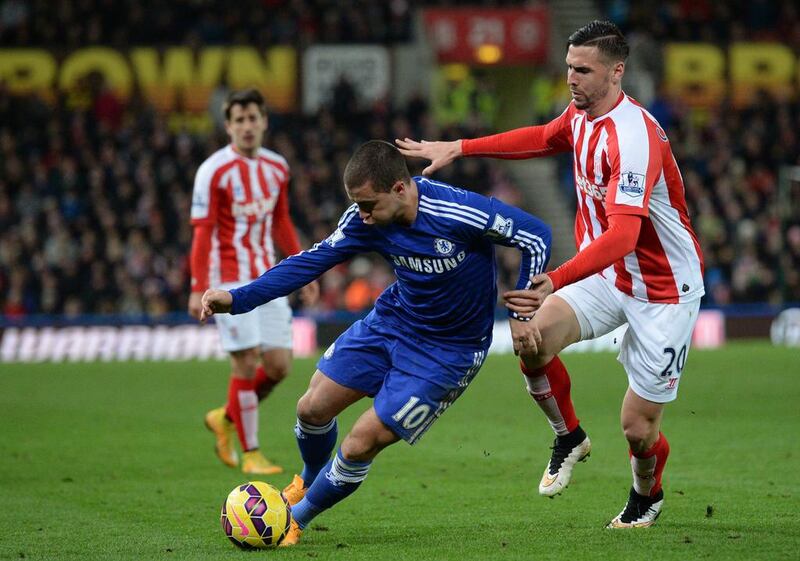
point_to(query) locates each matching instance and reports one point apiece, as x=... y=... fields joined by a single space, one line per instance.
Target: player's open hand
x=215 y=302
x=309 y=294
x=526 y=302
x=439 y=153
x=526 y=337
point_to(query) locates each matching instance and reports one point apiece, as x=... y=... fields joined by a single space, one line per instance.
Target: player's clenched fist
x=215 y=302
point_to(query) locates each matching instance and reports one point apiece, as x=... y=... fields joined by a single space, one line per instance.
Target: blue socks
x=339 y=479
x=316 y=444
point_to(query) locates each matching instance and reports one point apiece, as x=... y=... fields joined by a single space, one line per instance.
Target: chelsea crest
x=443 y=247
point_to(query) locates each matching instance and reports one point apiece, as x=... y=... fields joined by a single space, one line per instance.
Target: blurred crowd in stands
x=94 y=200
x=95 y=192
x=708 y=21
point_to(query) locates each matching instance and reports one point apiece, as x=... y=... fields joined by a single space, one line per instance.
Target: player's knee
x=276 y=371
x=244 y=363
x=310 y=410
x=640 y=435
x=534 y=361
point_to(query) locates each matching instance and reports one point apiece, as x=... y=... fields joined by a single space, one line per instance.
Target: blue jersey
x=444 y=262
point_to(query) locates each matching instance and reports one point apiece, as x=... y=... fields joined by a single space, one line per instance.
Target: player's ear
x=619 y=70
x=399 y=187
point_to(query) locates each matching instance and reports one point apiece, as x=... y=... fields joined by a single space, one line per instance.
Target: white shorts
x=656 y=344
x=269 y=326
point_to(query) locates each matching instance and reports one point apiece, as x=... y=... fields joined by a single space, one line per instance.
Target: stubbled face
x=378 y=208
x=590 y=79
x=246 y=127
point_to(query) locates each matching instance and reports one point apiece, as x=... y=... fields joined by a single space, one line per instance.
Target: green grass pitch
x=111 y=461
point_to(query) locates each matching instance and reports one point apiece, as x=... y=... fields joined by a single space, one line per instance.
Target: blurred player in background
x=240 y=211
x=429 y=332
x=638 y=262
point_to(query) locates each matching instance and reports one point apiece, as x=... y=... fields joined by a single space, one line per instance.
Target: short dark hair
x=244 y=98
x=379 y=162
x=604 y=35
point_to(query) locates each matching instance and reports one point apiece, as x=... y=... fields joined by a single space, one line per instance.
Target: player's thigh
x=557 y=324
x=275 y=324
x=656 y=346
x=596 y=306
x=244 y=363
x=324 y=399
x=359 y=358
x=424 y=381
x=276 y=363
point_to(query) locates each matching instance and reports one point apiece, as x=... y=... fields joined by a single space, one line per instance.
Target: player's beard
x=589 y=100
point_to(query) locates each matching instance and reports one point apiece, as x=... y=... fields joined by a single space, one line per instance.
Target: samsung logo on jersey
x=427 y=264
x=258 y=207
x=594 y=191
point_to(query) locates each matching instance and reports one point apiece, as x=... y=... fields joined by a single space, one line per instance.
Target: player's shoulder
x=273 y=158
x=350 y=218
x=219 y=160
x=447 y=203
x=430 y=189
x=630 y=116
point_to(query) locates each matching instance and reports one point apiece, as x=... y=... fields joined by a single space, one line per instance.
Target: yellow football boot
x=295 y=491
x=254 y=463
x=225 y=431
x=292 y=536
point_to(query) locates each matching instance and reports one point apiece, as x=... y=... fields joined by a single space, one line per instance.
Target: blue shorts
x=413 y=381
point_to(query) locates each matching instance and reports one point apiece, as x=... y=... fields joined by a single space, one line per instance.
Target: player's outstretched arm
x=440 y=153
x=215 y=302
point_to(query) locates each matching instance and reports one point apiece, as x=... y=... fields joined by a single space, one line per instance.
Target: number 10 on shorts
x=411 y=415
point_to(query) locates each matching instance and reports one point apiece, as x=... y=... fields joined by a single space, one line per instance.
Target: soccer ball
x=255 y=515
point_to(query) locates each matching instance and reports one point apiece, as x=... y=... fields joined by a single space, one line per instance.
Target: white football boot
x=640 y=512
x=567 y=451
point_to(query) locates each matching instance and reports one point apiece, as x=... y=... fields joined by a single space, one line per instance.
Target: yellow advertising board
x=170 y=77
x=703 y=74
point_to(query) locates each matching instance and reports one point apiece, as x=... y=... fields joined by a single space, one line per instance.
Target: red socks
x=263 y=383
x=242 y=409
x=648 y=467
x=550 y=388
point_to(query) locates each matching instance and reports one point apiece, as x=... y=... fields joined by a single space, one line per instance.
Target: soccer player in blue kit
x=428 y=334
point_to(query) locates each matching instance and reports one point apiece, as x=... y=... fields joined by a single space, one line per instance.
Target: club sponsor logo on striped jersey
x=257 y=207
x=594 y=191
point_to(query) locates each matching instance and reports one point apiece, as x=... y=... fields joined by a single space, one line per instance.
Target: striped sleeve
x=635 y=158
x=512 y=227
x=475 y=217
x=204 y=193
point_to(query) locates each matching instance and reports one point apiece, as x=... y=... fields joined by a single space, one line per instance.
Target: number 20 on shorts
x=678 y=359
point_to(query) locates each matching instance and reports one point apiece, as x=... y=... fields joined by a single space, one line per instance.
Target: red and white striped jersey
x=245 y=202
x=623 y=164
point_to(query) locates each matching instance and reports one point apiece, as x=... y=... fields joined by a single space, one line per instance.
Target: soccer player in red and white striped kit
x=638 y=262
x=240 y=211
